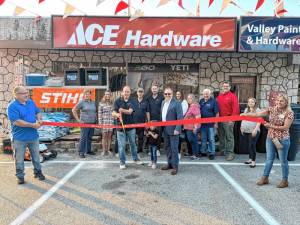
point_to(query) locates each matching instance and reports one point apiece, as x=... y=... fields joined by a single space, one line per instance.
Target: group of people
x=26 y=119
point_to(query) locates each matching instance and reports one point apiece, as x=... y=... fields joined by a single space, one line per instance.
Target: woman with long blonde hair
x=105 y=118
x=281 y=117
x=250 y=132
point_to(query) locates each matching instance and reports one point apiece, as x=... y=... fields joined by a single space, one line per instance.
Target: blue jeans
x=283 y=153
x=19 y=154
x=85 y=142
x=208 y=134
x=153 y=149
x=121 y=136
x=171 y=148
x=192 y=138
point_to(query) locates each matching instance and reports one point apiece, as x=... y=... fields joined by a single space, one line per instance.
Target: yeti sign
x=191 y=34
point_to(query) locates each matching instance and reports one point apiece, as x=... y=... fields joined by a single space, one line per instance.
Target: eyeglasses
x=140 y=91
x=22 y=93
x=168 y=94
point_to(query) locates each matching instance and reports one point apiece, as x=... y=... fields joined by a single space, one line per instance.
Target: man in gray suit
x=171 y=110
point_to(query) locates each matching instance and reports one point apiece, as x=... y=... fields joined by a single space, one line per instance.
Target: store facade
x=186 y=68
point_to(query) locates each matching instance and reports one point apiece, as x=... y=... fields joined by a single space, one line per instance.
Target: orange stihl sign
x=58 y=97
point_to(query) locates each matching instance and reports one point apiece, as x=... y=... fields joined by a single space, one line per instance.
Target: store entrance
x=179 y=77
x=245 y=87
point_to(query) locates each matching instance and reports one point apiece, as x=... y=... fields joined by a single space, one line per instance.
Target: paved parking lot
x=95 y=191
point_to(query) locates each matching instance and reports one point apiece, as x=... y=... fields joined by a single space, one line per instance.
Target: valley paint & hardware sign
x=269 y=34
x=152 y=33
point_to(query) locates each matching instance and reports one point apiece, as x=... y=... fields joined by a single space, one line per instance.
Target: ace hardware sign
x=119 y=33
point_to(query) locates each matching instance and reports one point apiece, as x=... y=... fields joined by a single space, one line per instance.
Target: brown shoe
x=230 y=157
x=173 y=172
x=262 y=181
x=283 y=184
x=167 y=167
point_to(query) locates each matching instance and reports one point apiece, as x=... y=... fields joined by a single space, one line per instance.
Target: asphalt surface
x=95 y=191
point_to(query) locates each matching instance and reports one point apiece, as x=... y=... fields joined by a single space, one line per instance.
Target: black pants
x=140 y=133
x=171 y=148
x=251 y=144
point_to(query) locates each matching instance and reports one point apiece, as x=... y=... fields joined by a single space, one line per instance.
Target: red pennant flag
x=279 y=8
x=121 y=6
x=281 y=12
x=40 y=1
x=210 y=2
x=259 y=4
x=180 y=3
x=2 y=1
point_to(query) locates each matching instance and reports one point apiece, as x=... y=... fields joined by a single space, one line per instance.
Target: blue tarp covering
x=49 y=133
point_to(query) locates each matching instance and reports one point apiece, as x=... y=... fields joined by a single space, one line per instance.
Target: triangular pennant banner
x=121 y=6
x=210 y=2
x=40 y=1
x=137 y=13
x=248 y=13
x=18 y=10
x=224 y=5
x=68 y=10
x=279 y=8
x=99 y=2
x=180 y=3
x=281 y=12
x=259 y=4
x=163 y=2
x=2 y=1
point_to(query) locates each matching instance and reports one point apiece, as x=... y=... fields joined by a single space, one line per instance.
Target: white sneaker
x=153 y=166
x=103 y=153
x=179 y=156
x=138 y=162
x=157 y=153
x=150 y=164
x=149 y=153
x=117 y=155
x=122 y=167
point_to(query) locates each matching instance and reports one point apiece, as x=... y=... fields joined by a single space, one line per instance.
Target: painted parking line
x=158 y=162
x=258 y=208
x=29 y=211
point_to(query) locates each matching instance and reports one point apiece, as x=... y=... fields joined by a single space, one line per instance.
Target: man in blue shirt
x=209 y=108
x=25 y=119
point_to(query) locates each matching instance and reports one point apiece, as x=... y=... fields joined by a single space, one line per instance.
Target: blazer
x=174 y=113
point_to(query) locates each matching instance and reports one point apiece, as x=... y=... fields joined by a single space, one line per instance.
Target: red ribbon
x=161 y=124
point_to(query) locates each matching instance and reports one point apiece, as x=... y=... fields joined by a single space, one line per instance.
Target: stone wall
x=273 y=70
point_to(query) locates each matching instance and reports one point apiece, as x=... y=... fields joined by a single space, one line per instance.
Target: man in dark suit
x=171 y=110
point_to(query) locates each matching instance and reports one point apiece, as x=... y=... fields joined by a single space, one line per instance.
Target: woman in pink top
x=191 y=129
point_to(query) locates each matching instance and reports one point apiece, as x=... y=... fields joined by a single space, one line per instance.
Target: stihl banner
x=190 y=34
x=58 y=97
